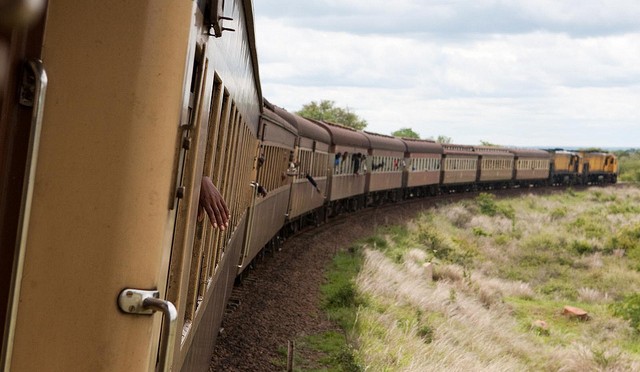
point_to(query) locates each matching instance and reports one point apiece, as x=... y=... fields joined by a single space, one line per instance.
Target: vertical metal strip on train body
x=32 y=94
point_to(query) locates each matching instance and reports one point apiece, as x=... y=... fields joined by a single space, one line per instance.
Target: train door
x=22 y=84
x=100 y=221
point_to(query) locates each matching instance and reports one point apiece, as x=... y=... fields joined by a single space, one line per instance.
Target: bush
x=628 y=239
x=629 y=308
x=558 y=213
x=629 y=166
x=582 y=247
x=488 y=206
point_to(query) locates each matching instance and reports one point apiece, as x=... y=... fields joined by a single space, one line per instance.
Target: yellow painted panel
x=100 y=208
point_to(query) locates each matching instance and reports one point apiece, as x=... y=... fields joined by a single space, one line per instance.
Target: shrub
x=630 y=166
x=628 y=239
x=426 y=333
x=487 y=204
x=435 y=242
x=629 y=308
x=558 y=213
x=582 y=247
x=478 y=231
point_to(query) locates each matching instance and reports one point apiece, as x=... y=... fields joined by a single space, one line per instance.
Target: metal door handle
x=32 y=94
x=137 y=301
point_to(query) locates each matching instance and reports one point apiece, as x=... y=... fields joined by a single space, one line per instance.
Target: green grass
x=333 y=350
x=629 y=162
x=498 y=265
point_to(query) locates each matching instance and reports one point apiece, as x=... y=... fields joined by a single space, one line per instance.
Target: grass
x=629 y=165
x=498 y=267
x=334 y=350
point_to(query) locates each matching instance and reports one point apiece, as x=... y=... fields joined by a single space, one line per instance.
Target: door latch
x=147 y=302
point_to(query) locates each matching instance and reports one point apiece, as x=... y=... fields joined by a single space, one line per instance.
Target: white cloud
x=562 y=89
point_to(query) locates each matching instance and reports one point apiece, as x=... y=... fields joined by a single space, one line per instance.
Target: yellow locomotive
x=599 y=167
x=583 y=167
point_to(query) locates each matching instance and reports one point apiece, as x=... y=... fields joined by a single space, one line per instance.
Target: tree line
x=326 y=110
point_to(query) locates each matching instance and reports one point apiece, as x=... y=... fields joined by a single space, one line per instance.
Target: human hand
x=212 y=202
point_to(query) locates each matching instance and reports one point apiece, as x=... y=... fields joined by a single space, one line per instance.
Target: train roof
x=305 y=127
x=493 y=150
x=269 y=114
x=530 y=153
x=453 y=149
x=383 y=142
x=593 y=152
x=422 y=146
x=344 y=136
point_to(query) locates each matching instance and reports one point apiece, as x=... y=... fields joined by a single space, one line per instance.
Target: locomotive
x=112 y=114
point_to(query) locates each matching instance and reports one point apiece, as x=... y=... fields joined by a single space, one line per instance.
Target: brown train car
x=531 y=166
x=496 y=165
x=347 y=180
x=268 y=213
x=423 y=164
x=459 y=166
x=386 y=163
x=108 y=230
x=311 y=158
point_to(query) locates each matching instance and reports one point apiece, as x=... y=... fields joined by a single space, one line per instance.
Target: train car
x=132 y=105
x=423 y=161
x=347 y=181
x=495 y=166
x=566 y=167
x=459 y=167
x=310 y=184
x=599 y=167
x=531 y=167
x=386 y=161
x=270 y=206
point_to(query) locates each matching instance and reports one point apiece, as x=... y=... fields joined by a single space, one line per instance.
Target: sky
x=527 y=73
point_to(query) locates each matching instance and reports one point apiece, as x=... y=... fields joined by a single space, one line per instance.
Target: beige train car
x=459 y=167
x=312 y=159
x=386 y=180
x=268 y=213
x=347 y=182
x=495 y=165
x=422 y=172
x=132 y=103
x=532 y=167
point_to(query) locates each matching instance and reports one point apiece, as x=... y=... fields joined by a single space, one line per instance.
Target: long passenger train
x=112 y=114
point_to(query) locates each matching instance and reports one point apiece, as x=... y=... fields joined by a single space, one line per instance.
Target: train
x=113 y=115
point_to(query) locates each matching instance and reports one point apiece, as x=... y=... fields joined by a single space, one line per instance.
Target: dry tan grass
x=469 y=334
x=591 y=295
x=463 y=311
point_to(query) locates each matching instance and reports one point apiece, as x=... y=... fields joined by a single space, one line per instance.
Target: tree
x=406 y=133
x=327 y=111
x=443 y=139
x=488 y=144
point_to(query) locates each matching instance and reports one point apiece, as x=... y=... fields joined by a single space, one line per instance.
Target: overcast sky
x=518 y=72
